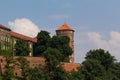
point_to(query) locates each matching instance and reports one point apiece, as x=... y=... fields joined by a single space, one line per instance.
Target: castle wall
x=33 y=61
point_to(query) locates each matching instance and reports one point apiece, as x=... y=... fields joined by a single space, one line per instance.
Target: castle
x=7 y=35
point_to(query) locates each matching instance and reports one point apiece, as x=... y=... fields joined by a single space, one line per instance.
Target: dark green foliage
x=39 y=50
x=35 y=74
x=8 y=74
x=53 y=66
x=9 y=67
x=52 y=58
x=102 y=56
x=42 y=44
x=62 y=44
x=92 y=69
x=116 y=70
x=98 y=65
x=60 y=74
x=43 y=38
x=76 y=75
x=21 y=48
x=0 y=46
x=44 y=41
x=23 y=64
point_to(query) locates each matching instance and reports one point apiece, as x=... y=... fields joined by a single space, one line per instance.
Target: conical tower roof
x=65 y=27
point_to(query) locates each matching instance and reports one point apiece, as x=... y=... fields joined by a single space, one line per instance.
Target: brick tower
x=66 y=30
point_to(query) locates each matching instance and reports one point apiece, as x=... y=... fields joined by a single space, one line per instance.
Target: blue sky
x=96 y=22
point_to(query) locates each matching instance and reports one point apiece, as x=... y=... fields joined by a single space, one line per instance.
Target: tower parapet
x=66 y=30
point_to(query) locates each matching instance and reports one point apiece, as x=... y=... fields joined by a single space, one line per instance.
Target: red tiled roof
x=71 y=66
x=65 y=27
x=3 y=27
x=17 y=35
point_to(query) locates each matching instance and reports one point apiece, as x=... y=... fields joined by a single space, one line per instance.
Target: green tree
x=62 y=44
x=9 y=68
x=42 y=44
x=44 y=41
x=116 y=70
x=76 y=75
x=104 y=57
x=60 y=74
x=35 y=74
x=23 y=64
x=53 y=68
x=98 y=65
x=92 y=69
x=0 y=46
x=22 y=48
x=52 y=58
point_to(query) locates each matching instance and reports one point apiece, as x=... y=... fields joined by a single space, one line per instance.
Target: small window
x=16 y=74
x=1 y=60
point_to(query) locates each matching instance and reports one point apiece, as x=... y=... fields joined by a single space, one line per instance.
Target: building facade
x=31 y=41
x=8 y=39
x=4 y=37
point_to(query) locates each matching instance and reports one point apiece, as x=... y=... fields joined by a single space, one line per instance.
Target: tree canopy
x=35 y=74
x=61 y=43
x=21 y=48
x=53 y=67
x=104 y=57
x=99 y=65
x=42 y=44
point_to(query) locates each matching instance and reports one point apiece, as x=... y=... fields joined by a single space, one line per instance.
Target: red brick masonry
x=37 y=62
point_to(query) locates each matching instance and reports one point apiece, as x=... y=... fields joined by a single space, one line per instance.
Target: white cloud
x=81 y=43
x=112 y=45
x=96 y=38
x=24 y=26
x=59 y=16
